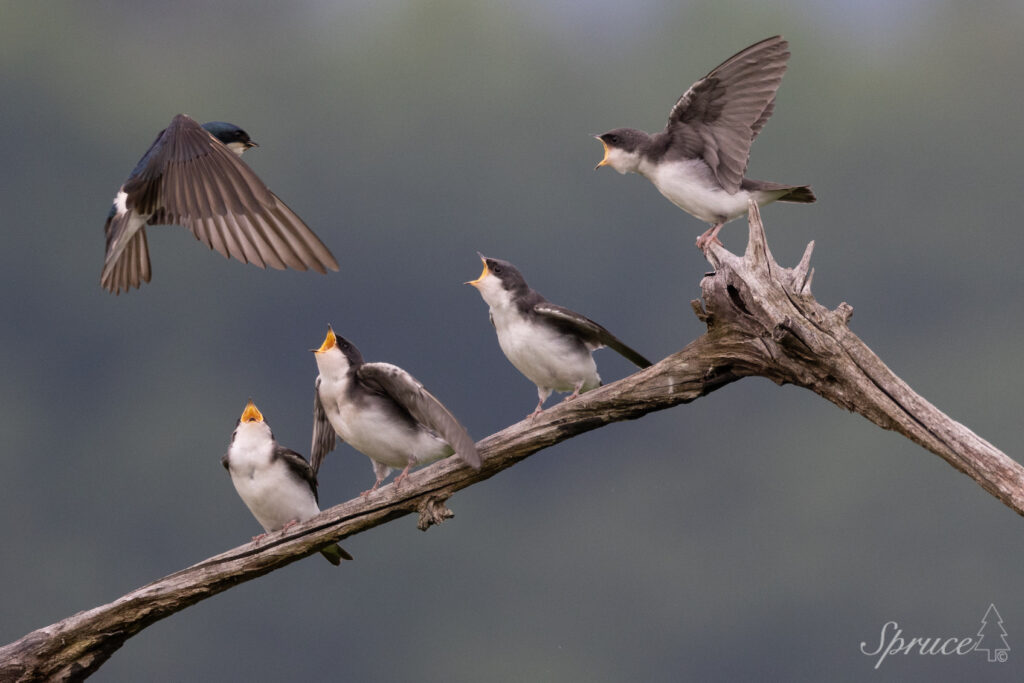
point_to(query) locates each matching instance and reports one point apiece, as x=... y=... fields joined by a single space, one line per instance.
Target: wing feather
x=298 y=466
x=423 y=406
x=323 y=433
x=592 y=333
x=189 y=177
x=721 y=114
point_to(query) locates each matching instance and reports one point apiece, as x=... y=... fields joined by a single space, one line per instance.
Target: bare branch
x=762 y=320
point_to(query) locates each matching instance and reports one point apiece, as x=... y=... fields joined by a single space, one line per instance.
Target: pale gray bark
x=762 y=320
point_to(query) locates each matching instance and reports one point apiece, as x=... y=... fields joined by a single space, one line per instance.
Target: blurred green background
x=758 y=533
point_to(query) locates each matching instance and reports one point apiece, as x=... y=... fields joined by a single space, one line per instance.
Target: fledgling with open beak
x=192 y=176
x=550 y=344
x=699 y=160
x=275 y=483
x=383 y=412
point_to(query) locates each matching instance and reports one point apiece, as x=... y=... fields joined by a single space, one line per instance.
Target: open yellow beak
x=604 y=162
x=251 y=413
x=330 y=341
x=487 y=271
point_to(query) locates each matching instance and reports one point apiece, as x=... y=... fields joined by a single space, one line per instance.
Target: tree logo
x=990 y=640
x=993 y=636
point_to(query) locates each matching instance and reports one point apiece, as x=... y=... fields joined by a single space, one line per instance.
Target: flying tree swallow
x=192 y=176
x=550 y=344
x=275 y=483
x=698 y=162
x=382 y=412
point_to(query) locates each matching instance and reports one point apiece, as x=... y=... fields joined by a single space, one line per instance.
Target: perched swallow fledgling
x=550 y=344
x=275 y=483
x=192 y=176
x=698 y=161
x=382 y=412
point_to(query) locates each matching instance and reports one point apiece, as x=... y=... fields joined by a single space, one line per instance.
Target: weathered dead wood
x=791 y=338
x=762 y=320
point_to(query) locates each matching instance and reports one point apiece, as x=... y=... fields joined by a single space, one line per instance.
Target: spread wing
x=593 y=334
x=721 y=114
x=421 y=404
x=323 y=432
x=298 y=466
x=190 y=178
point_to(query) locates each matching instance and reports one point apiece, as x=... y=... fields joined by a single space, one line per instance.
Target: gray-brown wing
x=302 y=470
x=298 y=466
x=721 y=114
x=594 y=334
x=423 y=406
x=323 y=433
x=192 y=179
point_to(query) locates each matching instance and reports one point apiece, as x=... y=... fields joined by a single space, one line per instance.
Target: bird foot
x=260 y=537
x=401 y=477
x=704 y=243
x=709 y=236
x=290 y=524
x=368 y=491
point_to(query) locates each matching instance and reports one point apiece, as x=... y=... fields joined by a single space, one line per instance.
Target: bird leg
x=381 y=471
x=368 y=491
x=405 y=473
x=710 y=235
x=288 y=525
x=575 y=391
x=542 y=396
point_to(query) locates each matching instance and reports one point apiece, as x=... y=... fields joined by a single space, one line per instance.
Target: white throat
x=333 y=364
x=493 y=293
x=623 y=161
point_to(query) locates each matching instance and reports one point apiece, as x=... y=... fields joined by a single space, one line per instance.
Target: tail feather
x=799 y=195
x=335 y=554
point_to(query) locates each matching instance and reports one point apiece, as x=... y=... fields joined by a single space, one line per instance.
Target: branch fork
x=762 y=320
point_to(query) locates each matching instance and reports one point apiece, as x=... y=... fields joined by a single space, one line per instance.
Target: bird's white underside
x=546 y=359
x=543 y=355
x=272 y=493
x=690 y=185
x=367 y=428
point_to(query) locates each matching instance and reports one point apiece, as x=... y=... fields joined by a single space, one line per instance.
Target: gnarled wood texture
x=762 y=320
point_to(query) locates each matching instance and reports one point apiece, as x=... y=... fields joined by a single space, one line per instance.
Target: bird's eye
x=614 y=139
x=496 y=270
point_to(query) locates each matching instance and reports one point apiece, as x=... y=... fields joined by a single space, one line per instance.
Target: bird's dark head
x=233 y=137
x=622 y=148
x=499 y=280
x=333 y=342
